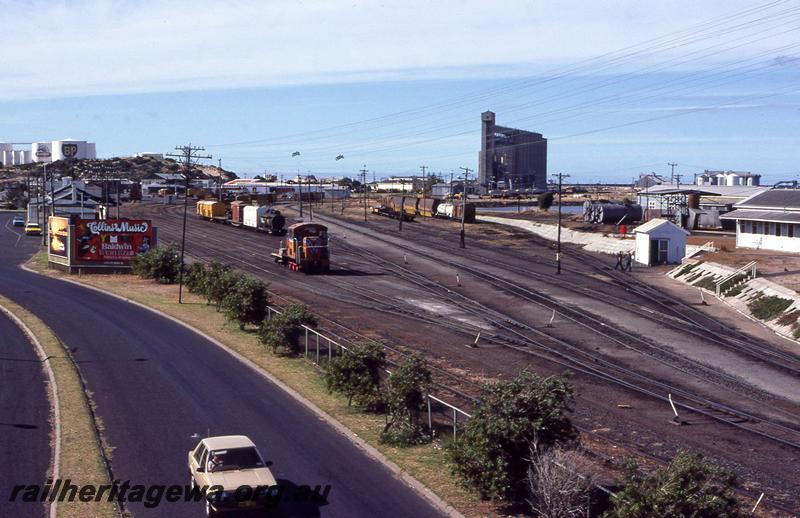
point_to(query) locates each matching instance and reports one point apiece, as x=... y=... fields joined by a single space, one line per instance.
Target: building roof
x=762 y=215
x=784 y=199
x=653 y=224
x=735 y=191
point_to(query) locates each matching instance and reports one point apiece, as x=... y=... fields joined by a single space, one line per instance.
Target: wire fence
x=319 y=349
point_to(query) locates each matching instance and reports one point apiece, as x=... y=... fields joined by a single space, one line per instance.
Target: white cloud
x=58 y=49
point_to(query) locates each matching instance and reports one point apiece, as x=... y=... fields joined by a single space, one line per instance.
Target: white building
x=729 y=178
x=769 y=220
x=660 y=242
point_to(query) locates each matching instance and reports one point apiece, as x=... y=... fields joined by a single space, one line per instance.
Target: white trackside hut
x=660 y=242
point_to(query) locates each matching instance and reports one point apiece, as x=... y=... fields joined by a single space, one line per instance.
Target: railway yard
x=495 y=307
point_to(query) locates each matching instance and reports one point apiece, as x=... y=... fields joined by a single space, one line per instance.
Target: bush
x=194 y=277
x=357 y=374
x=768 y=307
x=283 y=331
x=246 y=301
x=687 y=487
x=162 y=264
x=490 y=453
x=789 y=318
x=686 y=268
x=560 y=483
x=219 y=280
x=545 y=200
x=709 y=283
x=406 y=396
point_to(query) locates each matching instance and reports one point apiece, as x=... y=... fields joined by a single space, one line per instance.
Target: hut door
x=658 y=251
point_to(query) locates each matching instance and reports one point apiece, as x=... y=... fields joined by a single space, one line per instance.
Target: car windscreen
x=235 y=458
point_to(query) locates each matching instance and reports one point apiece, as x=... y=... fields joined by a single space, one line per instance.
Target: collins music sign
x=111 y=241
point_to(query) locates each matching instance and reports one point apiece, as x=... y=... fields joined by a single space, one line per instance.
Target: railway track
x=512 y=330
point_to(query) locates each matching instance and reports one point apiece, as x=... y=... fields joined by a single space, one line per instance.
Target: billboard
x=58 y=233
x=112 y=242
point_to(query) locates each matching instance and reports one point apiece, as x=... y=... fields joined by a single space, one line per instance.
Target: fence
x=319 y=348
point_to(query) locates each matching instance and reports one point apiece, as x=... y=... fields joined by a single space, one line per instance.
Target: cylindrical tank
x=693 y=201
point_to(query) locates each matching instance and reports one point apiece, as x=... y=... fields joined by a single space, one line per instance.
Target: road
x=24 y=419
x=158 y=386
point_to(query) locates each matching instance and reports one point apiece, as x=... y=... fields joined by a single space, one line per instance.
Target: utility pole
x=673 y=165
x=424 y=184
x=219 y=179
x=678 y=178
x=561 y=177
x=364 y=188
x=464 y=203
x=118 y=185
x=189 y=155
x=402 y=204
x=310 y=199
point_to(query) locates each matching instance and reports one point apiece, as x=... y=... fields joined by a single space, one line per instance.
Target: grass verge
x=426 y=463
x=768 y=308
x=81 y=460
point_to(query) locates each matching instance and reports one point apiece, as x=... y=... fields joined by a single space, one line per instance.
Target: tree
x=246 y=301
x=545 y=200
x=194 y=277
x=162 y=264
x=219 y=279
x=356 y=374
x=406 y=396
x=283 y=331
x=689 y=486
x=560 y=483
x=490 y=453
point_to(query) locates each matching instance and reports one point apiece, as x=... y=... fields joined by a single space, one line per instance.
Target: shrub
x=490 y=453
x=687 y=487
x=246 y=301
x=357 y=374
x=283 y=331
x=768 y=307
x=194 y=277
x=163 y=264
x=218 y=281
x=686 y=268
x=709 y=283
x=406 y=395
x=560 y=483
x=545 y=200
x=788 y=318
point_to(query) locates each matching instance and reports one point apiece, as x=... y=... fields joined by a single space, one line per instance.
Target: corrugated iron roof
x=763 y=215
x=774 y=199
x=655 y=223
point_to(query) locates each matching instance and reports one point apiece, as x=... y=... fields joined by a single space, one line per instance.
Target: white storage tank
x=69 y=148
x=252 y=214
x=42 y=152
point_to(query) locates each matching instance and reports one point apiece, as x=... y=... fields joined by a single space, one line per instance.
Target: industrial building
x=46 y=152
x=769 y=220
x=511 y=158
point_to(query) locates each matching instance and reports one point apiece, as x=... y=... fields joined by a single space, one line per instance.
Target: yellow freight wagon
x=211 y=210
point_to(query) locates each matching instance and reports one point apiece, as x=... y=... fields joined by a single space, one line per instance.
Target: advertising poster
x=59 y=235
x=111 y=241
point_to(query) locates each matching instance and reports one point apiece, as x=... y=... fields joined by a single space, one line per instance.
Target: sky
x=618 y=87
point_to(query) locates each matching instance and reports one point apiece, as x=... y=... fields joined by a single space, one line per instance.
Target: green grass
x=687 y=268
x=728 y=285
x=708 y=283
x=769 y=307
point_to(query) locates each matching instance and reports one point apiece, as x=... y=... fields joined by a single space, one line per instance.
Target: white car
x=233 y=463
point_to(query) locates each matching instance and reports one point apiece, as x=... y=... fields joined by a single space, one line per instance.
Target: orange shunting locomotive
x=305 y=248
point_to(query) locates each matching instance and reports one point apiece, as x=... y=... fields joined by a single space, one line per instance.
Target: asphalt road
x=24 y=414
x=158 y=386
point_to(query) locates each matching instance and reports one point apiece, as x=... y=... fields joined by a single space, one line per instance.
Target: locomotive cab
x=305 y=248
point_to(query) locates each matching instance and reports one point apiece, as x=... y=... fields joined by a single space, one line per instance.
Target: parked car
x=18 y=221
x=231 y=462
x=33 y=229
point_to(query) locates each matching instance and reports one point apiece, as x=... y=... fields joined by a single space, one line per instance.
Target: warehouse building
x=511 y=158
x=769 y=220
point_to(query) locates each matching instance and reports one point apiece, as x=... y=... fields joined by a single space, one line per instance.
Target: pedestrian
x=618 y=266
x=623 y=229
x=627 y=264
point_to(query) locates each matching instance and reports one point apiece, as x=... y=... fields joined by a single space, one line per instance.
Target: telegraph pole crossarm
x=189 y=154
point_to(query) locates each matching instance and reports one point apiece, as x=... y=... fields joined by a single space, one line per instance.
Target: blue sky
x=618 y=87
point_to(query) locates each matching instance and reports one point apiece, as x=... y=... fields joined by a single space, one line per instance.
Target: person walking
x=618 y=266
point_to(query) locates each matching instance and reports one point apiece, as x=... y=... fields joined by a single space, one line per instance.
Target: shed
x=660 y=242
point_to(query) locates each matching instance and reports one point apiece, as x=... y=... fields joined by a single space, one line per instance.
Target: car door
x=196 y=460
